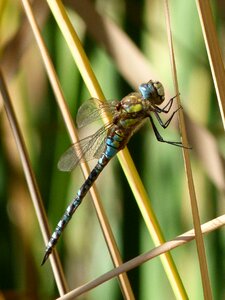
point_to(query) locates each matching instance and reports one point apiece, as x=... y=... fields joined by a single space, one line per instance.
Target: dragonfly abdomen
x=114 y=143
x=102 y=162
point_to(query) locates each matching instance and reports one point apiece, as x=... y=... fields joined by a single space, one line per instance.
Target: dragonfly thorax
x=152 y=91
x=132 y=103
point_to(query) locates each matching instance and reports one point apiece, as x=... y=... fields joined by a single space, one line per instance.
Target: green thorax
x=132 y=109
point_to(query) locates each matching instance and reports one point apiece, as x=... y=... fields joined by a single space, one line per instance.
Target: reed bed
x=54 y=56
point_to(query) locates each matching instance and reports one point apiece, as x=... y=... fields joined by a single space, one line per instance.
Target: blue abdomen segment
x=111 y=148
x=113 y=145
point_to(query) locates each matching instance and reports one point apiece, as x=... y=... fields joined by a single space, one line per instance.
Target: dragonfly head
x=152 y=91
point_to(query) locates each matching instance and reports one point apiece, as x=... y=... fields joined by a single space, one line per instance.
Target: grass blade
x=167 y=246
x=196 y=219
x=214 y=53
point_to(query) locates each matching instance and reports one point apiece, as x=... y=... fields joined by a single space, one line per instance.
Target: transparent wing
x=93 y=110
x=100 y=149
x=84 y=150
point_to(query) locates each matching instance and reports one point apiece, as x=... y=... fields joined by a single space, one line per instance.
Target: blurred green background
x=82 y=248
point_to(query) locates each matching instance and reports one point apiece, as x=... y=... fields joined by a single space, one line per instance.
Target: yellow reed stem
x=106 y=229
x=127 y=164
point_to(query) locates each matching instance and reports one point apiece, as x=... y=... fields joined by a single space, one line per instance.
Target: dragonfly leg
x=164 y=125
x=167 y=107
x=160 y=138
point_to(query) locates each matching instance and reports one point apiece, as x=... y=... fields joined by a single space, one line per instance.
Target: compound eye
x=159 y=88
x=152 y=91
x=147 y=90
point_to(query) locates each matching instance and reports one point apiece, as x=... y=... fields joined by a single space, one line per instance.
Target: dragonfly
x=128 y=115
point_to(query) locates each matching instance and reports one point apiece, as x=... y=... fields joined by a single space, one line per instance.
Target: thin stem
x=137 y=261
x=213 y=51
x=194 y=206
x=32 y=185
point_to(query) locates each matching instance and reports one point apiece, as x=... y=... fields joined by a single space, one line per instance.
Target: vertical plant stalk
x=107 y=231
x=126 y=162
x=214 y=53
x=32 y=185
x=194 y=206
x=151 y=222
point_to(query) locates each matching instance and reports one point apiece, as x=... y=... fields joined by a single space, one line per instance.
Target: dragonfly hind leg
x=160 y=138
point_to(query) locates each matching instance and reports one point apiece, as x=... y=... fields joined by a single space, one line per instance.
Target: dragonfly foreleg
x=160 y=138
x=167 y=107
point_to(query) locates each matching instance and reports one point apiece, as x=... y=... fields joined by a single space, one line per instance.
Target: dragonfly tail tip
x=45 y=258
